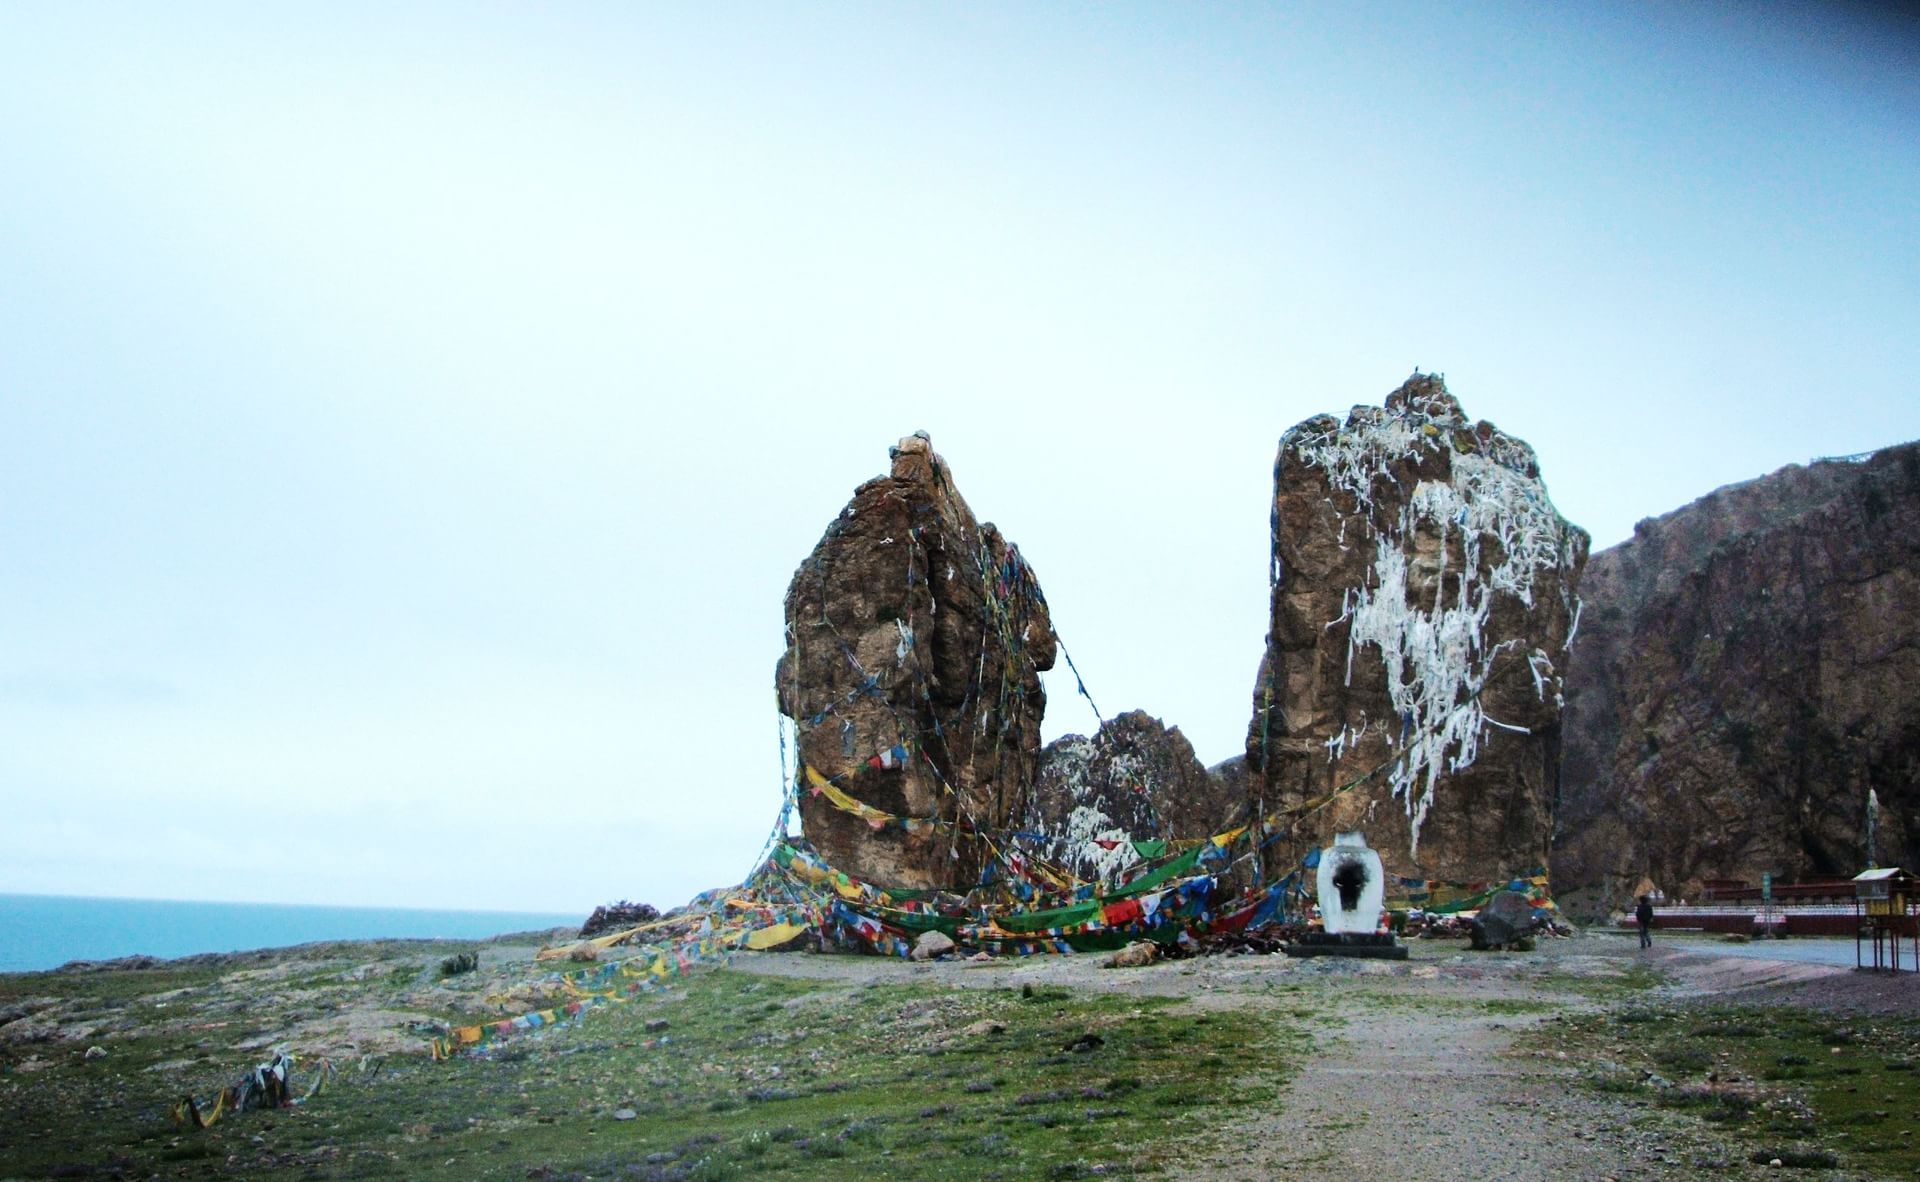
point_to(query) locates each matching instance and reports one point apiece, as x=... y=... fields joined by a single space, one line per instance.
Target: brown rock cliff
x=1423 y=591
x=1749 y=667
x=915 y=640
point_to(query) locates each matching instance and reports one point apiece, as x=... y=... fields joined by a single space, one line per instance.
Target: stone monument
x=1352 y=894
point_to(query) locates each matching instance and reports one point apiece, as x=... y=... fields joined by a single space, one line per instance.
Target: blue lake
x=46 y=931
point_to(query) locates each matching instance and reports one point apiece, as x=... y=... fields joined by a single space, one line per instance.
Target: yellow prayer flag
x=774 y=936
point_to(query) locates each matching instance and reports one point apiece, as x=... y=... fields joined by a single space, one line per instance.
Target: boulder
x=930 y=945
x=1423 y=596
x=1504 y=922
x=1748 y=671
x=1133 y=956
x=915 y=641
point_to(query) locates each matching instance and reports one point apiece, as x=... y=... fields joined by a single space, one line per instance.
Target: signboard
x=1766 y=886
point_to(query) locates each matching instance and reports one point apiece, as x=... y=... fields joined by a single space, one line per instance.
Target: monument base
x=1379 y=946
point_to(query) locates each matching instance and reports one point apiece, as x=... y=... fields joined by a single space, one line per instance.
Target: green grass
x=1787 y=1083
x=752 y=1077
x=1636 y=981
x=1518 y=1006
x=106 y=988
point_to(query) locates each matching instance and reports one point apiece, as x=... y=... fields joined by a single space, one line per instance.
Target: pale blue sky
x=410 y=420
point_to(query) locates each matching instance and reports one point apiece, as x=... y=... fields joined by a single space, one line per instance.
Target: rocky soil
x=331 y=999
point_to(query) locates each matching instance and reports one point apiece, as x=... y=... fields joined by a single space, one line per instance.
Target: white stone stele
x=1350 y=849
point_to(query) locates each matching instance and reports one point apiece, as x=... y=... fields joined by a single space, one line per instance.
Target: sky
x=411 y=415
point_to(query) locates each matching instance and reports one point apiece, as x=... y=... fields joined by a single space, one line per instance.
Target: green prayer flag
x=1154 y=878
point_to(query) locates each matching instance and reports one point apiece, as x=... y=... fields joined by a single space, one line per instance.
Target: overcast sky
x=411 y=415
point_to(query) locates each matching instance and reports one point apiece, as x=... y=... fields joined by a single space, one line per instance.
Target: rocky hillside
x=1133 y=780
x=1423 y=593
x=1748 y=668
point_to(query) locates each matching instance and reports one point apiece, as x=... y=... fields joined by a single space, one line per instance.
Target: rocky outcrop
x=1423 y=594
x=1232 y=783
x=617 y=917
x=1749 y=669
x=915 y=640
x=1134 y=780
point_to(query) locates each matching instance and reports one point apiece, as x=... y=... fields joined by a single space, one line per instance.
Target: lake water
x=46 y=931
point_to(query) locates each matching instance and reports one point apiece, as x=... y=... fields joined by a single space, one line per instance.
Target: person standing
x=1643 y=915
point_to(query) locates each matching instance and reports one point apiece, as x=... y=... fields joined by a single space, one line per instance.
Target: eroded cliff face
x=1135 y=779
x=1423 y=594
x=1749 y=667
x=915 y=640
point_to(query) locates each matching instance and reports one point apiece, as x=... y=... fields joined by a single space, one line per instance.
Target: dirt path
x=1478 y=1091
x=1398 y=1094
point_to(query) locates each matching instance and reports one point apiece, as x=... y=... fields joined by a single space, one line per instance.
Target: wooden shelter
x=1886 y=908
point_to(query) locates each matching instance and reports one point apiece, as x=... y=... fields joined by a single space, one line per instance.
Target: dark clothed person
x=1643 y=915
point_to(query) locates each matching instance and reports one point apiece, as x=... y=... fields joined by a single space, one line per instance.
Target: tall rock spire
x=1422 y=608
x=915 y=641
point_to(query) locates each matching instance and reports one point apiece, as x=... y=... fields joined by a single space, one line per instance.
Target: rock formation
x=1232 y=784
x=915 y=640
x=1133 y=780
x=1423 y=596
x=1749 y=668
x=616 y=917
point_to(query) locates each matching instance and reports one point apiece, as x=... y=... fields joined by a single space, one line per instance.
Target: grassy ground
x=748 y=1076
x=1808 y=1089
